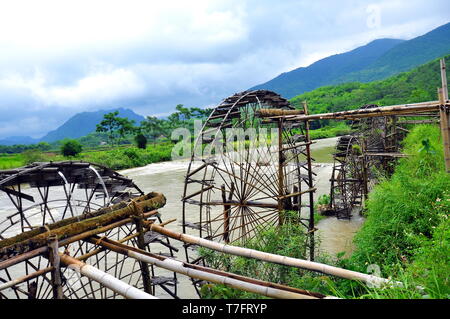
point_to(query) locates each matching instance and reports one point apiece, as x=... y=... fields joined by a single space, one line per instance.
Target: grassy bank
x=116 y=158
x=407 y=228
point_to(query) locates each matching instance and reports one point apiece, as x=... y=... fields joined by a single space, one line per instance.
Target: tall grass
x=406 y=231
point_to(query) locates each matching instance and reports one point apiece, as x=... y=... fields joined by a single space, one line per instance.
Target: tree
x=43 y=146
x=154 y=127
x=141 y=141
x=116 y=127
x=71 y=148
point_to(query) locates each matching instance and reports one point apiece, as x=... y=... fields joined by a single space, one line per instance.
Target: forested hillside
x=418 y=85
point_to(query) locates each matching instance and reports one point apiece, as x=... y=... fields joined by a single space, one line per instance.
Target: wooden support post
x=139 y=222
x=226 y=212
x=280 y=173
x=364 y=172
x=444 y=116
x=445 y=129
x=311 y=228
x=53 y=257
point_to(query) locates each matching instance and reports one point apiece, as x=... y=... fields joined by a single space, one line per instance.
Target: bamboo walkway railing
x=252 y=285
x=105 y=279
x=273 y=258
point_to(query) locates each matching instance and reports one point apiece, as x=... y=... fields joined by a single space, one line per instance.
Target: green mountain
x=324 y=71
x=82 y=124
x=405 y=56
x=374 y=61
x=417 y=85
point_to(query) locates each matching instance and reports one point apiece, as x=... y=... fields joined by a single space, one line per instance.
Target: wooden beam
x=16 y=193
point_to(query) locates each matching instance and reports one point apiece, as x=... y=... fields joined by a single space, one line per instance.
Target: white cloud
x=61 y=57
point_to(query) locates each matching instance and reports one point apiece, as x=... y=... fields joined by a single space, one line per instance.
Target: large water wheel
x=256 y=183
x=45 y=193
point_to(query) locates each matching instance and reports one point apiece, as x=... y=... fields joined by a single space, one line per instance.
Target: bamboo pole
x=268 y=257
x=212 y=275
x=444 y=116
x=105 y=279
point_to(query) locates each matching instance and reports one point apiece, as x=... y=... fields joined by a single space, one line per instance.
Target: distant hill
x=79 y=125
x=417 y=85
x=15 y=140
x=374 y=61
x=84 y=123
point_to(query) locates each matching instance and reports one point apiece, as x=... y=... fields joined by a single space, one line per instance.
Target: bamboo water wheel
x=45 y=194
x=361 y=158
x=230 y=196
x=347 y=176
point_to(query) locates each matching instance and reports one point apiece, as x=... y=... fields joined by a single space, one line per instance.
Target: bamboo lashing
x=105 y=279
x=273 y=258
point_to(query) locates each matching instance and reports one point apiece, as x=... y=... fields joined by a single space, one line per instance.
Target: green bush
x=31 y=156
x=71 y=148
x=141 y=141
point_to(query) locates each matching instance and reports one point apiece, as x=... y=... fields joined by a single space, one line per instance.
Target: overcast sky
x=58 y=58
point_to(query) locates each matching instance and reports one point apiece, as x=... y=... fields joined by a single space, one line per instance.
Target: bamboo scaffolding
x=268 y=257
x=153 y=197
x=203 y=273
x=38 y=251
x=105 y=279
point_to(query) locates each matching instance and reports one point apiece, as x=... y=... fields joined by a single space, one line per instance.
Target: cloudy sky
x=58 y=58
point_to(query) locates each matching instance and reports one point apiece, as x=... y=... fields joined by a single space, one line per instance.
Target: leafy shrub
x=71 y=148
x=141 y=141
x=31 y=156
